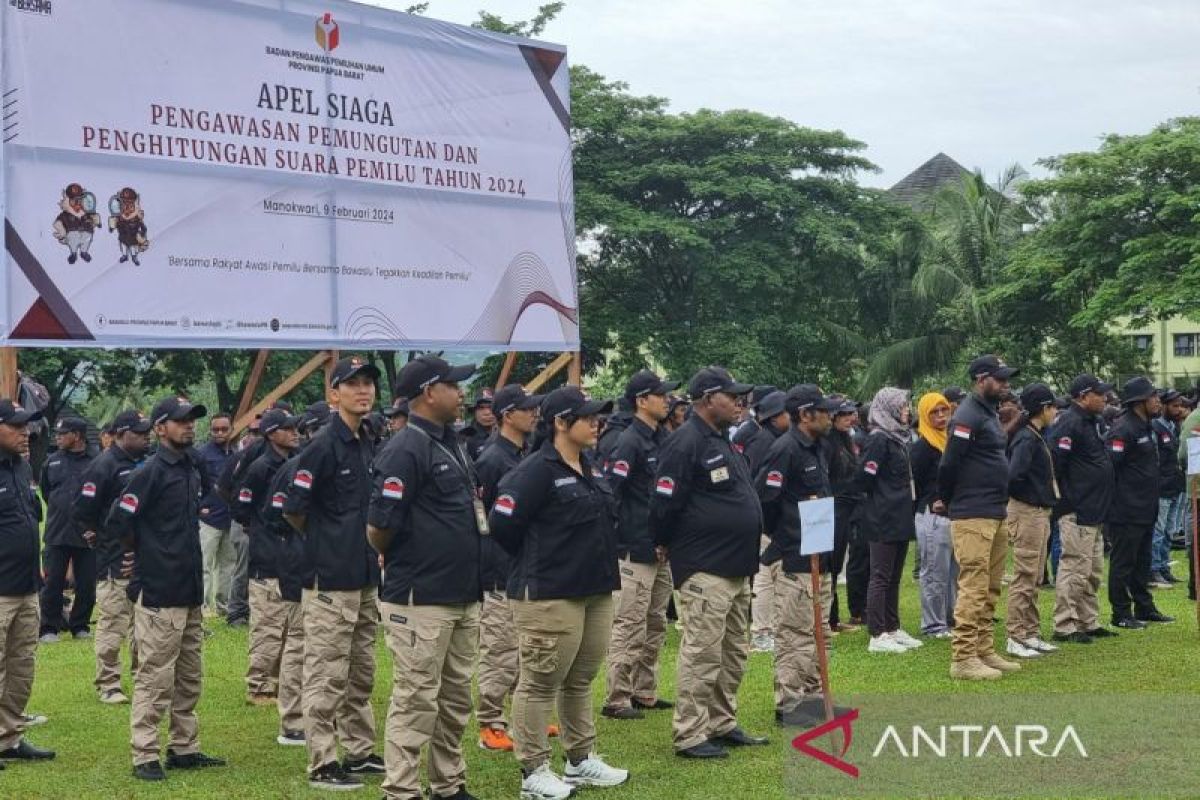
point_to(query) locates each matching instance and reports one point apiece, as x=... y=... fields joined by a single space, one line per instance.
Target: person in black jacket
x=793 y=472
x=157 y=519
x=708 y=521
x=841 y=454
x=1134 y=453
x=68 y=545
x=1032 y=494
x=939 y=571
x=886 y=516
x=1172 y=482
x=973 y=482
x=1085 y=479
x=517 y=413
x=640 y=620
x=555 y=515
x=19 y=581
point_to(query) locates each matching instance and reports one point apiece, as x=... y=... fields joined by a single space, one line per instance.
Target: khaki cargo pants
x=979 y=547
x=763 y=606
x=562 y=644
x=291 y=669
x=797 y=674
x=114 y=624
x=339 y=673
x=712 y=657
x=167 y=680
x=498 y=663
x=1029 y=536
x=1080 y=571
x=19 y=621
x=639 y=630
x=433 y=652
x=268 y=631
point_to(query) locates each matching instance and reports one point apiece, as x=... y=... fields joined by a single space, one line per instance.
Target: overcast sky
x=989 y=83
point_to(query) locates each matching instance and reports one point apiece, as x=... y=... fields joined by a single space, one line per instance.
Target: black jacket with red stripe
x=1134 y=453
x=793 y=471
x=973 y=475
x=1085 y=473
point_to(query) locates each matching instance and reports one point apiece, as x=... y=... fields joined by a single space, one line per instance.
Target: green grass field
x=93 y=751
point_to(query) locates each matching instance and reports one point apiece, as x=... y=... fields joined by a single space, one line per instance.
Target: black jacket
x=20 y=572
x=423 y=491
x=614 y=426
x=973 y=476
x=704 y=508
x=631 y=471
x=62 y=478
x=160 y=512
x=886 y=481
x=753 y=440
x=1085 y=473
x=1031 y=476
x=793 y=471
x=332 y=486
x=293 y=567
x=1171 y=479
x=497 y=460
x=841 y=454
x=925 y=459
x=1134 y=452
x=559 y=526
x=252 y=494
x=103 y=482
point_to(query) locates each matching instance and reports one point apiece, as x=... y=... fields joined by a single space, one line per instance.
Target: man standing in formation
x=217 y=535
x=66 y=543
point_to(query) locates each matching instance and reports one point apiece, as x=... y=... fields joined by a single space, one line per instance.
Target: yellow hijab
x=925 y=409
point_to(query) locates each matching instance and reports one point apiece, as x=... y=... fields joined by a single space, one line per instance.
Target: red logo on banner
x=802 y=742
x=328 y=33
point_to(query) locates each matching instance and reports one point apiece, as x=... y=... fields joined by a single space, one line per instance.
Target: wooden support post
x=575 y=370
x=324 y=358
x=819 y=632
x=556 y=366
x=256 y=372
x=510 y=361
x=8 y=373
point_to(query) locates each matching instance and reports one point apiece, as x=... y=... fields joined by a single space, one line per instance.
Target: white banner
x=280 y=173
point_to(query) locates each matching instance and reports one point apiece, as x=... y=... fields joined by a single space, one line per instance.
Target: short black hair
x=220 y=415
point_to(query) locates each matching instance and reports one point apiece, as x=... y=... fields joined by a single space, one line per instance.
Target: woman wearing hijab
x=939 y=572
x=886 y=481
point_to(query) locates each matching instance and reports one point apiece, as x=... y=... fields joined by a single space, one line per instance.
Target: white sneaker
x=905 y=638
x=542 y=784
x=885 y=643
x=762 y=643
x=1020 y=650
x=592 y=771
x=1041 y=645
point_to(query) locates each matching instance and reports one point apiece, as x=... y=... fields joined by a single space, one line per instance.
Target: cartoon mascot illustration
x=129 y=221
x=73 y=227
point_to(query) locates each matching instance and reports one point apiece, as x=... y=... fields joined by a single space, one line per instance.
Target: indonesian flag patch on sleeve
x=506 y=504
x=1117 y=445
x=621 y=469
x=393 y=488
x=88 y=490
x=774 y=479
x=665 y=487
x=278 y=499
x=303 y=479
x=1064 y=443
x=129 y=503
x=962 y=431
x=871 y=467
x=246 y=495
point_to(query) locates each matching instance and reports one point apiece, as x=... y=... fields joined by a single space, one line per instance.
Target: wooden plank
x=256 y=373
x=556 y=366
x=575 y=370
x=510 y=361
x=8 y=373
x=334 y=356
x=322 y=358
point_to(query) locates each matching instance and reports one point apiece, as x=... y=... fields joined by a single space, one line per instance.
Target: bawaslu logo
x=327 y=32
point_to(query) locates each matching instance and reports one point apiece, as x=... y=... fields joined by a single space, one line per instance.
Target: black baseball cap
x=1136 y=390
x=954 y=394
x=426 y=370
x=350 y=366
x=647 y=382
x=1089 y=383
x=131 y=421
x=569 y=401
x=675 y=402
x=396 y=409
x=70 y=425
x=771 y=405
x=989 y=365
x=1169 y=395
x=275 y=419
x=176 y=409
x=716 y=379
x=12 y=414
x=486 y=398
x=1036 y=396
x=315 y=415
x=514 y=398
x=809 y=396
x=760 y=393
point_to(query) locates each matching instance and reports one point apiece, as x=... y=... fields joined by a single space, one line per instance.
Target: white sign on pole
x=816 y=526
x=1193 y=454
x=284 y=174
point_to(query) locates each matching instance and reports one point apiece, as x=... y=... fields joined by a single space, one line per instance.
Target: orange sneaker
x=552 y=730
x=495 y=739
